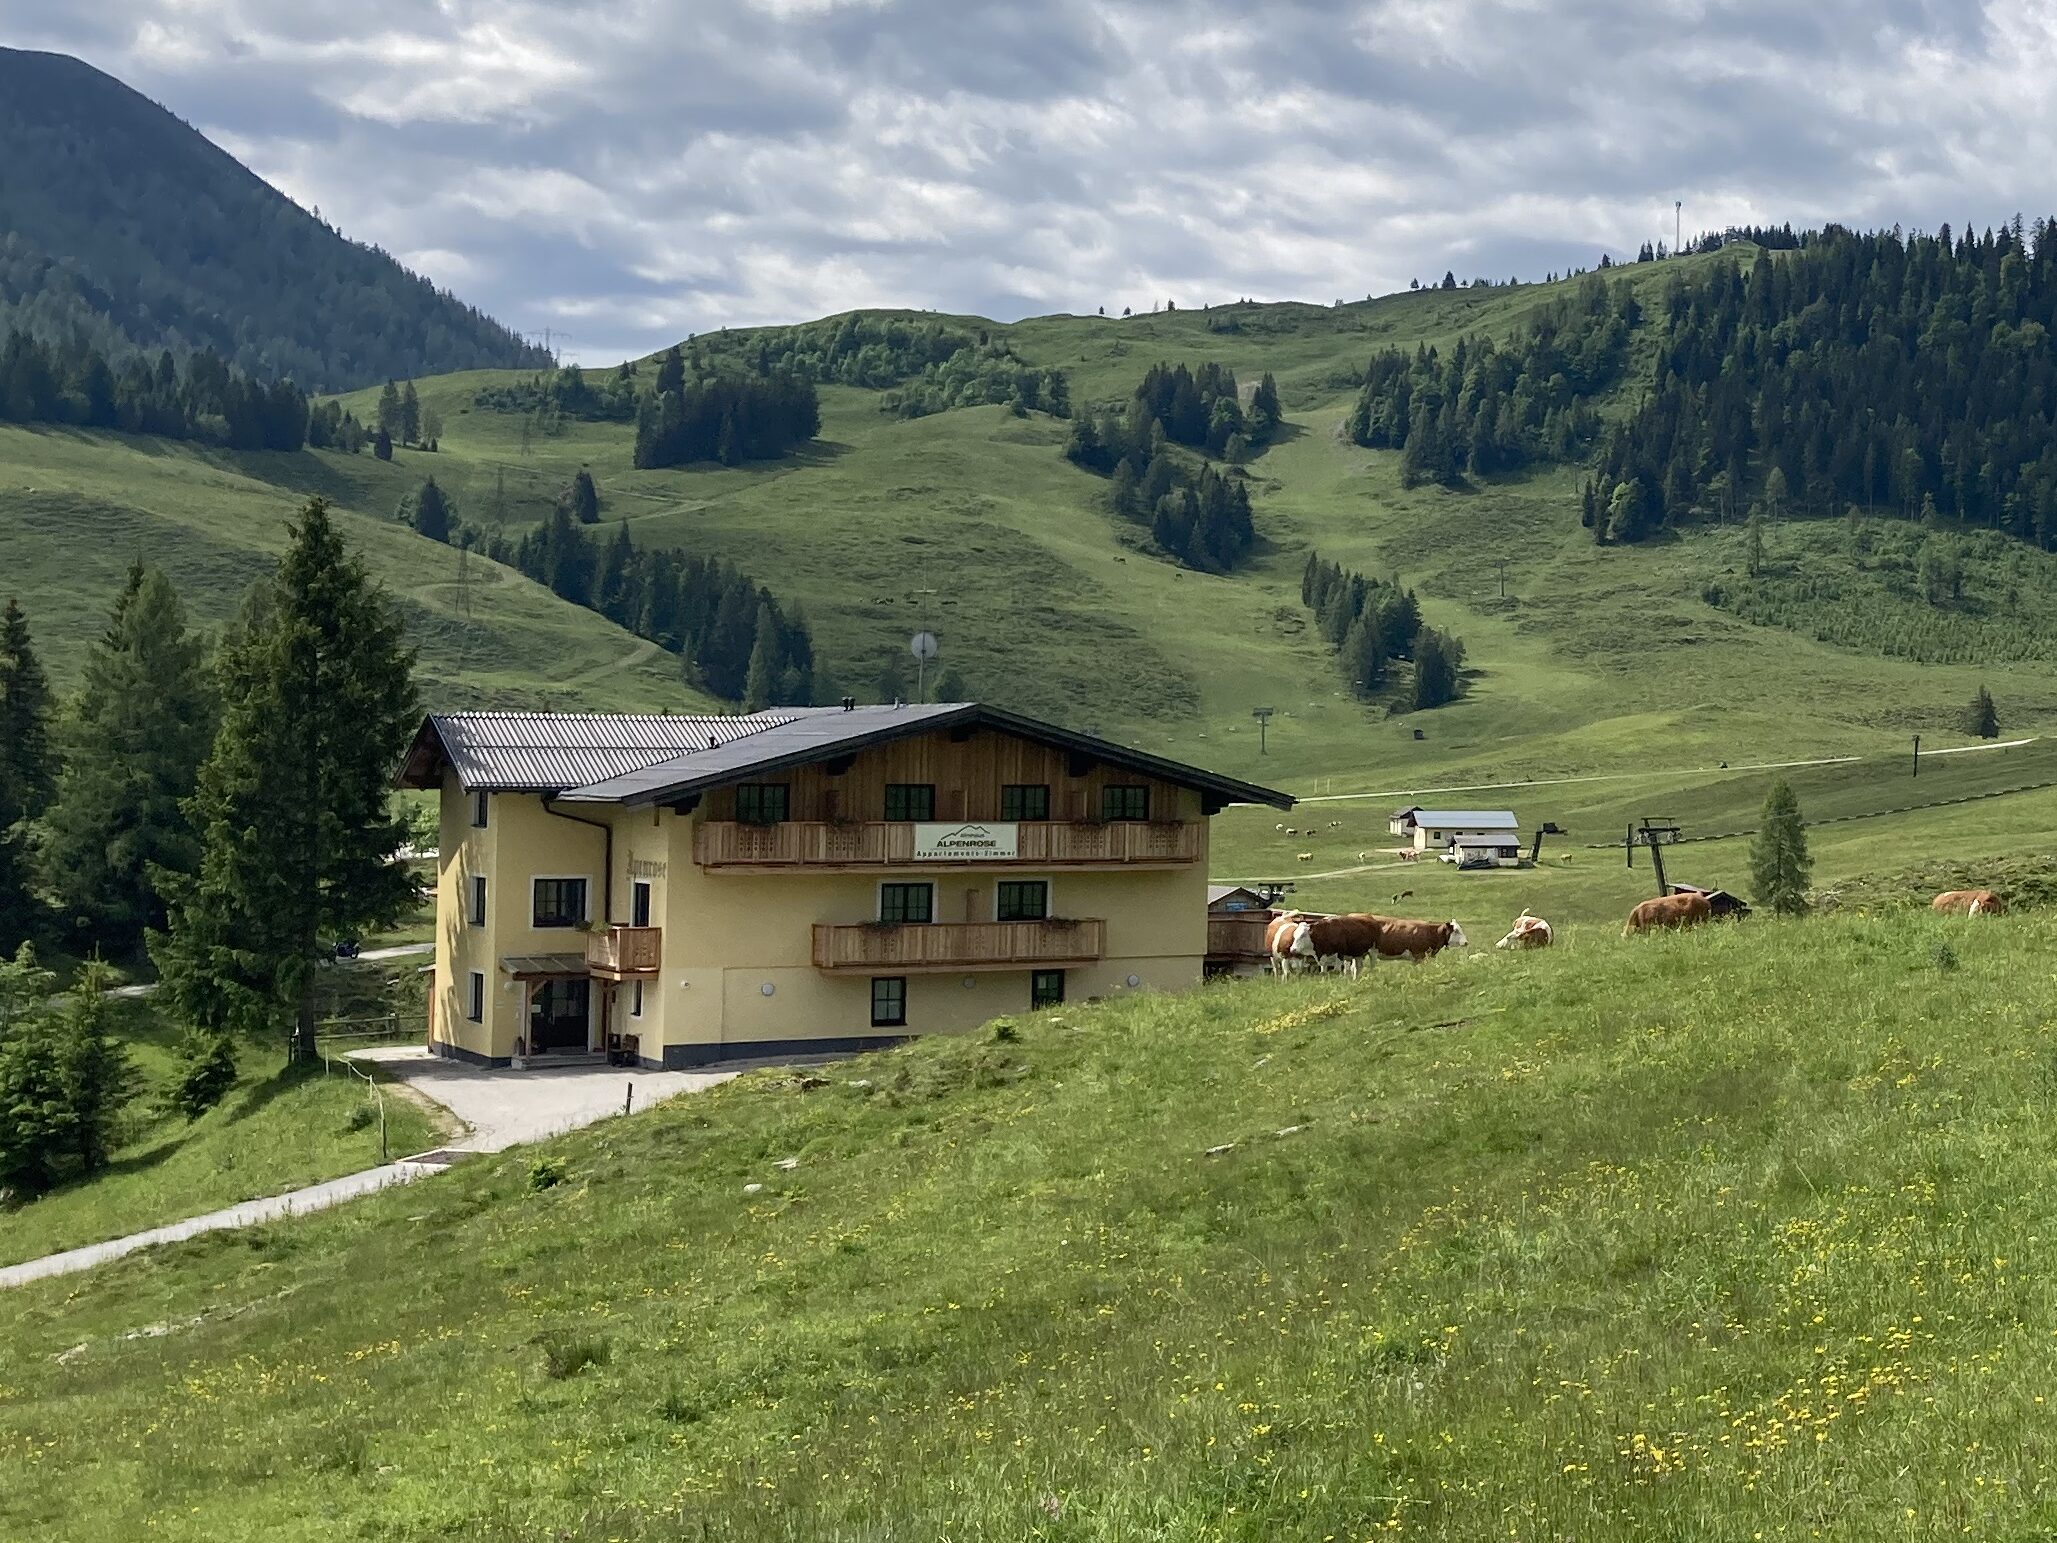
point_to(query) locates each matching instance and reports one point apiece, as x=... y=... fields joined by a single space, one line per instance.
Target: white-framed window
x=478 y=809
x=475 y=1003
x=478 y=900
x=558 y=902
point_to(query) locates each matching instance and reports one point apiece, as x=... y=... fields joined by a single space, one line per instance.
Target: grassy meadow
x=1736 y=1233
x=279 y=1128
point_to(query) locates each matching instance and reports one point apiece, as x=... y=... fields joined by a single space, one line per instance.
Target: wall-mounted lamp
x=767 y=988
x=1135 y=980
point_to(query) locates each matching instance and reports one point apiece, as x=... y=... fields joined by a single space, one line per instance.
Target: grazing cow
x=1669 y=911
x=1968 y=902
x=1399 y=938
x=1306 y=857
x=1529 y=932
x=1278 y=940
x=1338 y=941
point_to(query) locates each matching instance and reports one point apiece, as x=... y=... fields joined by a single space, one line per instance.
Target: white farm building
x=1436 y=830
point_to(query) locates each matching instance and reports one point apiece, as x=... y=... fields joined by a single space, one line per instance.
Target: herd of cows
x=1300 y=940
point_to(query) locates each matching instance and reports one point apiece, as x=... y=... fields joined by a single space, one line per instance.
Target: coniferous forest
x=207 y=400
x=1374 y=623
x=1200 y=517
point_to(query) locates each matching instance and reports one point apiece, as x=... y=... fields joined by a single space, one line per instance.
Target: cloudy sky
x=629 y=171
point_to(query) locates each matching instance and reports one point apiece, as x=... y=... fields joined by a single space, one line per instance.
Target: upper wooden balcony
x=918 y=946
x=616 y=952
x=821 y=845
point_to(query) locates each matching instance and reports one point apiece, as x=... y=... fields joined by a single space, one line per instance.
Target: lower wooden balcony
x=823 y=845
x=1238 y=938
x=614 y=953
x=915 y=946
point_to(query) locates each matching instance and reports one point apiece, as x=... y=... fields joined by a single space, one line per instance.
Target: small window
x=910 y=800
x=478 y=900
x=639 y=904
x=560 y=902
x=763 y=803
x=1125 y=803
x=1025 y=801
x=907 y=902
x=1023 y=900
x=1046 y=988
x=475 y=1008
x=889 y=1002
x=635 y=999
x=478 y=811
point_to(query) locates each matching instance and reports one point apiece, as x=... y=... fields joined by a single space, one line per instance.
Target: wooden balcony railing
x=619 y=951
x=1238 y=937
x=881 y=843
x=959 y=945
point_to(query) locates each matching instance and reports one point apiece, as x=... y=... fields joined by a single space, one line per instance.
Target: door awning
x=543 y=966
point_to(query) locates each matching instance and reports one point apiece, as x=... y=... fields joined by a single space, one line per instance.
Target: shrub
x=546 y=1173
x=567 y=1353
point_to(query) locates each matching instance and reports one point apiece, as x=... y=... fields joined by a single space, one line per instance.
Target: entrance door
x=559 y=1015
x=639 y=904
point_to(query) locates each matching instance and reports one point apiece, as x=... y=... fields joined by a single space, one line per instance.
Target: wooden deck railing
x=959 y=945
x=880 y=843
x=1237 y=937
x=619 y=951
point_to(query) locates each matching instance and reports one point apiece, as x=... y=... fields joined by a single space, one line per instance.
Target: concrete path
x=504 y=1108
x=317 y=1197
x=500 y=1108
x=369 y=956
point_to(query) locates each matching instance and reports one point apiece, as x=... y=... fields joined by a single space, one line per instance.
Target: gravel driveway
x=505 y=1108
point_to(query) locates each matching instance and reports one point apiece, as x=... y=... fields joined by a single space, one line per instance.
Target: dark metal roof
x=820 y=733
x=600 y=758
x=549 y=752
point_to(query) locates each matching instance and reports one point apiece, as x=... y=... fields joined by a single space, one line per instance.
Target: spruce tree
x=760 y=682
x=1779 y=864
x=134 y=739
x=97 y=1075
x=389 y=410
x=1364 y=667
x=37 y=1128
x=583 y=498
x=410 y=416
x=299 y=838
x=1435 y=671
x=26 y=772
x=432 y=512
x=1983 y=719
x=950 y=686
x=382 y=447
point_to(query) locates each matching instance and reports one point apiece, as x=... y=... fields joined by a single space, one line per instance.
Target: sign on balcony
x=962 y=843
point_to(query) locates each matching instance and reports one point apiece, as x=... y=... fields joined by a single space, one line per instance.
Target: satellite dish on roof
x=923 y=647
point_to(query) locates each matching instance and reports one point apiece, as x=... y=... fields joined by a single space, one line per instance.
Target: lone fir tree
x=1779 y=864
x=1983 y=719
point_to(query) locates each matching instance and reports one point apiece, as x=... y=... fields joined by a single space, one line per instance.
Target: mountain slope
x=1694 y=1237
x=125 y=224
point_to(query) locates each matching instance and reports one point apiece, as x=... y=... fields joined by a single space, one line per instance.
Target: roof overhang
x=691 y=782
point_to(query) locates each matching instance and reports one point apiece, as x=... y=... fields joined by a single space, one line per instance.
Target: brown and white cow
x=1968 y=902
x=1528 y=932
x=1345 y=942
x=1686 y=910
x=1399 y=938
x=1278 y=940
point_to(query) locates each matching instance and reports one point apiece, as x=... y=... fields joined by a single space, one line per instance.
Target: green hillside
x=1663 y=656
x=123 y=226
x=77 y=508
x=1696 y=1238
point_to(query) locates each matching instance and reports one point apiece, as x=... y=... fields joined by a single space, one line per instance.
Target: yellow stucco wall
x=728 y=933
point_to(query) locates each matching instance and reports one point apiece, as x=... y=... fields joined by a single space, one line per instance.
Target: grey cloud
x=633 y=170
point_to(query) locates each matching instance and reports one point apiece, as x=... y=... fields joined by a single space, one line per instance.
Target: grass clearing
x=1689 y=1237
x=279 y=1128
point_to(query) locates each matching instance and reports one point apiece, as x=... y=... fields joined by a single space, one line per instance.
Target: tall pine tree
x=1779 y=864
x=27 y=771
x=133 y=742
x=299 y=838
x=760 y=684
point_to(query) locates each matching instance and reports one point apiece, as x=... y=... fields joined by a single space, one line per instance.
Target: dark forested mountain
x=123 y=227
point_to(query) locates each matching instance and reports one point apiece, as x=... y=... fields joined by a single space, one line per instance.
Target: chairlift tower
x=1656 y=834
